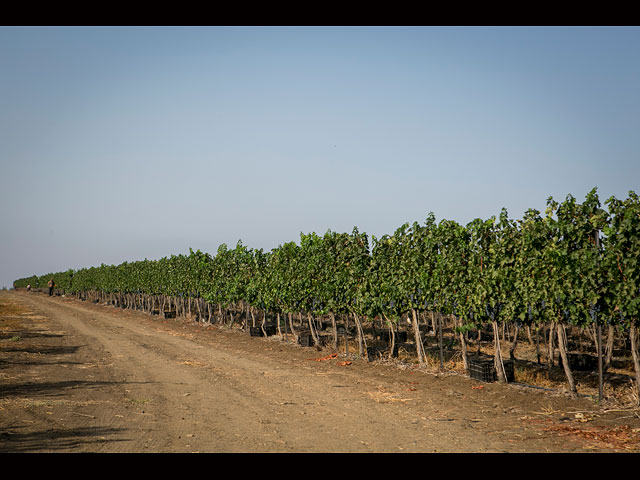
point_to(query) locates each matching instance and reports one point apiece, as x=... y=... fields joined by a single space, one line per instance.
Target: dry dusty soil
x=79 y=377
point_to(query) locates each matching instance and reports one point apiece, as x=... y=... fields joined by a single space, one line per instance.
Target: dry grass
x=8 y=309
x=384 y=396
x=11 y=316
x=538 y=378
x=619 y=385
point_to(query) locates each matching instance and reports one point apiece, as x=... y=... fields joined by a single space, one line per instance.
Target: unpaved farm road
x=78 y=377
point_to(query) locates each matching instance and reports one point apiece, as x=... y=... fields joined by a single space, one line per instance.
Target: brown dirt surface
x=79 y=377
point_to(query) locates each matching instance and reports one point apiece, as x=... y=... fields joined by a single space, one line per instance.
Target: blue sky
x=121 y=143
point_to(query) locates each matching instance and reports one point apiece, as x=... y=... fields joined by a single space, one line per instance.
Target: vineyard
x=556 y=278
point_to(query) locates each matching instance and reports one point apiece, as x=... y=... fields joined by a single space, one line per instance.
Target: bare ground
x=79 y=377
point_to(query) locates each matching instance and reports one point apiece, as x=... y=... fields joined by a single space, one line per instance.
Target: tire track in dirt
x=172 y=386
x=226 y=400
x=169 y=403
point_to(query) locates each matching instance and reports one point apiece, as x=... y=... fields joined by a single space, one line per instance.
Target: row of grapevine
x=575 y=265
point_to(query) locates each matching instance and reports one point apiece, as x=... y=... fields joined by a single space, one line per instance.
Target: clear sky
x=121 y=143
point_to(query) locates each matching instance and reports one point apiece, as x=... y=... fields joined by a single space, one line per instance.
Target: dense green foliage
x=576 y=264
x=529 y=269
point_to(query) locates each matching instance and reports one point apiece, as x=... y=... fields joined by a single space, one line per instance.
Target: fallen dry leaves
x=621 y=437
x=328 y=357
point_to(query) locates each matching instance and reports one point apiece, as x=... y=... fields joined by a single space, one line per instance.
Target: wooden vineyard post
x=600 y=372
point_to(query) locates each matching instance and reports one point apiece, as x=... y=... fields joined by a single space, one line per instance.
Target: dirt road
x=79 y=377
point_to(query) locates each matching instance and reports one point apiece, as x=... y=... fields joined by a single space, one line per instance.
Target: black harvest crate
x=482 y=368
x=581 y=361
x=306 y=340
x=257 y=331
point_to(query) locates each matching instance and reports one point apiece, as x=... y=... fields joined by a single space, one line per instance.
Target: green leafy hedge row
x=574 y=264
